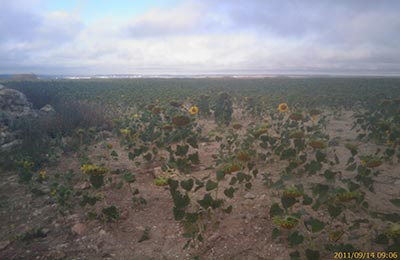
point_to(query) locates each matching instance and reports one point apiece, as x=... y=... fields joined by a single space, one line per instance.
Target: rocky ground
x=33 y=228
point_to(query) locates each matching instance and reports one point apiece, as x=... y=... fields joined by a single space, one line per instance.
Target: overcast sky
x=203 y=36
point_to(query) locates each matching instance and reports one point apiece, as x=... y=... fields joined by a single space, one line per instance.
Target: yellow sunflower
x=283 y=107
x=193 y=110
x=42 y=175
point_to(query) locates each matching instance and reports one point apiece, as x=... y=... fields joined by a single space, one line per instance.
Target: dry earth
x=244 y=234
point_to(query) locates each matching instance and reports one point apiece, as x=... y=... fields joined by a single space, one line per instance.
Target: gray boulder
x=14 y=108
x=47 y=110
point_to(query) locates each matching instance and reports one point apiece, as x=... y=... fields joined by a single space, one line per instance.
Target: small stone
x=47 y=109
x=79 y=228
x=250 y=196
x=37 y=212
x=4 y=244
x=141 y=228
x=45 y=231
x=102 y=232
x=124 y=215
x=82 y=186
x=74 y=217
x=157 y=172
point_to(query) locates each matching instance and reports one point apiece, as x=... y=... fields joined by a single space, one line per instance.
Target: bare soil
x=244 y=234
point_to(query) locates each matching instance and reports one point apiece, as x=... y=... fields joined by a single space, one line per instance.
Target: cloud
x=158 y=22
x=207 y=36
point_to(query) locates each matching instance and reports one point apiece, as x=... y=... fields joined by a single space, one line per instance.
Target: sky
x=87 y=37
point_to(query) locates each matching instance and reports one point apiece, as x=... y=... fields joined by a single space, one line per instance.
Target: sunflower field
x=212 y=168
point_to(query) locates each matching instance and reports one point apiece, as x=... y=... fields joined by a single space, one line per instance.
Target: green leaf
x=254 y=172
x=181 y=150
x=194 y=158
x=329 y=176
x=392 y=217
x=320 y=156
x=192 y=141
x=233 y=181
x=334 y=211
x=206 y=202
x=199 y=184
x=295 y=238
x=336 y=159
x=351 y=167
x=312 y=255
x=228 y=210
x=220 y=175
x=241 y=176
x=211 y=185
x=179 y=214
x=179 y=200
x=96 y=181
x=287 y=202
x=320 y=189
x=229 y=192
x=129 y=177
x=173 y=184
x=275 y=210
x=395 y=202
x=248 y=186
x=315 y=224
x=307 y=200
x=340 y=248
x=187 y=184
x=250 y=165
x=275 y=233
x=313 y=167
x=192 y=217
x=295 y=255
x=365 y=204
x=131 y=156
x=148 y=156
x=111 y=212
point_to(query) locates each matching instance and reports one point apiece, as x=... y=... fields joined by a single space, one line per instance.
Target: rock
x=47 y=109
x=15 y=102
x=82 y=186
x=37 y=212
x=102 y=232
x=1 y=87
x=79 y=228
x=73 y=217
x=5 y=243
x=14 y=110
x=157 y=172
x=141 y=228
x=45 y=231
x=124 y=215
x=250 y=196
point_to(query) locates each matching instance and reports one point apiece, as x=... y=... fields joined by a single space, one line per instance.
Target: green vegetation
x=317 y=207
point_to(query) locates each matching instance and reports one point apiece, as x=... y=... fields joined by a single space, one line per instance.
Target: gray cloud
x=16 y=23
x=208 y=36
